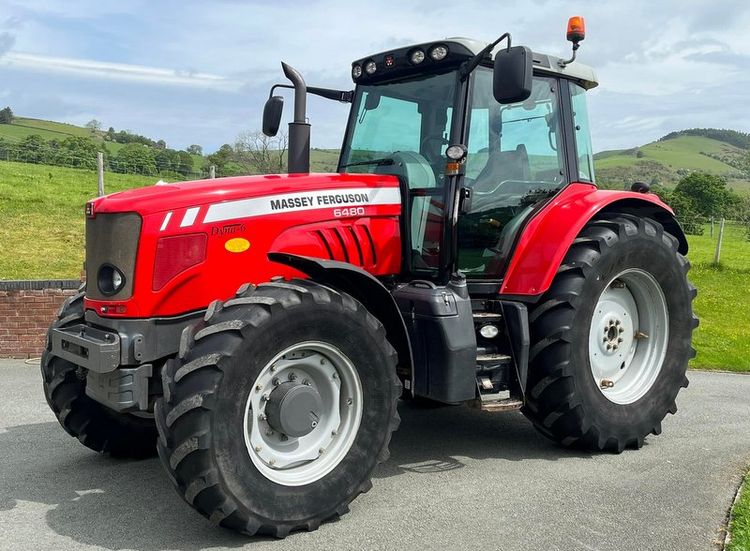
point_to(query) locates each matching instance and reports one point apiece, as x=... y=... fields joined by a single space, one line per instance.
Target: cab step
x=500 y=401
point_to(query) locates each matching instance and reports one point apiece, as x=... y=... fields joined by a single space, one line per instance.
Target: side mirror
x=512 y=75
x=272 y=115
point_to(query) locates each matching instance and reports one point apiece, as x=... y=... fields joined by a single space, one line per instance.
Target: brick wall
x=27 y=308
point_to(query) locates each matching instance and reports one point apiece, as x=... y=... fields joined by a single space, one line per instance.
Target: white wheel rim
x=296 y=461
x=628 y=336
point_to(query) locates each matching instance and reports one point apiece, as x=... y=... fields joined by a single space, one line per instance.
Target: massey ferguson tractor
x=259 y=331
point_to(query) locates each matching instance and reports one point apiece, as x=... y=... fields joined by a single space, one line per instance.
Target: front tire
x=611 y=339
x=97 y=427
x=232 y=449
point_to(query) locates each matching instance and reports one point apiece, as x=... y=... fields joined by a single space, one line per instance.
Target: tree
x=110 y=136
x=6 y=116
x=221 y=159
x=194 y=149
x=260 y=154
x=709 y=193
x=135 y=158
x=184 y=163
x=161 y=144
x=94 y=125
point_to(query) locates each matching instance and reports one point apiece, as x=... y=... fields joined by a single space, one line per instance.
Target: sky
x=194 y=72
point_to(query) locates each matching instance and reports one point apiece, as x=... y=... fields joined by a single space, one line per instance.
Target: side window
x=583 y=135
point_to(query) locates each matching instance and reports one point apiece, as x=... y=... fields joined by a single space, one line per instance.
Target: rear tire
x=219 y=390
x=93 y=424
x=625 y=265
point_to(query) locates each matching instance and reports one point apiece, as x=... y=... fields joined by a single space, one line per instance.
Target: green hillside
x=665 y=161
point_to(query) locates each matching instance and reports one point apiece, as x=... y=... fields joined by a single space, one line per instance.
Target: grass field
x=723 y=337
x=740 y=527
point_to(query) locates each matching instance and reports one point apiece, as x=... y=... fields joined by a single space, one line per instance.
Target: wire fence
x=180 y=166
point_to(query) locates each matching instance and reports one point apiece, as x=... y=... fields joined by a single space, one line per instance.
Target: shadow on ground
x=131 y=504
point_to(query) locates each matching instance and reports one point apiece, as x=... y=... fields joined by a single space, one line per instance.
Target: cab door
x=516 y=159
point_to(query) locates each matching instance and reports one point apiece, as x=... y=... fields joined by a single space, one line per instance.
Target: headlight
x=356 y=71
x=110 y=280
x=370 y=67
x=456 y=152
x=416 y=57
x=439 y=52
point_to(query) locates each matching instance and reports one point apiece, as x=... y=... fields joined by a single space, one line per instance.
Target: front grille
x=111 y=238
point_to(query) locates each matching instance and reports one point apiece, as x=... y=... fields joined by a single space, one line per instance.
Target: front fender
x=366 y=289
x=547 y=237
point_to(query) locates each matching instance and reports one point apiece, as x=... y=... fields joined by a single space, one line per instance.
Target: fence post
x=100 y=169
x=717 y=254
x=212 y=171
x=712 y=227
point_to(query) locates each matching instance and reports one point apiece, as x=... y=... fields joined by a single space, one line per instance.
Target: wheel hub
x=294 y=409
x=303 y=413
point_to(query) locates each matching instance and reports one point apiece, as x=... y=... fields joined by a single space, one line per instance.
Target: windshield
x=402 y=128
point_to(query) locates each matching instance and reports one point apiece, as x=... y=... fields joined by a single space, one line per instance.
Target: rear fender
x=367 y=290
x=546 y=239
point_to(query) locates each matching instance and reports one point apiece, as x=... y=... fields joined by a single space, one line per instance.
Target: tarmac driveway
x=457 y=479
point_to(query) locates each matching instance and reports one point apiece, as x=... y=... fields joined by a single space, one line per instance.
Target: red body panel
x=548 y=236
x=347 y=217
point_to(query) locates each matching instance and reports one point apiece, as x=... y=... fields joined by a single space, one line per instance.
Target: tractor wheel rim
x=299 y=460
x=628 y=336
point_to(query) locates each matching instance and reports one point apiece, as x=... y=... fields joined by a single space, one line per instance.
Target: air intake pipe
x=299 y=129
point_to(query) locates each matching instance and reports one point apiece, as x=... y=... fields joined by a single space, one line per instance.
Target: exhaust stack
x=299 y=129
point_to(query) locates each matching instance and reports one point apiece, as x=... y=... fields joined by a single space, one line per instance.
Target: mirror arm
x=344 y=96
x=477 y=59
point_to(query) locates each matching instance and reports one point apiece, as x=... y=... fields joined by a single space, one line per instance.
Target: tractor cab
x=411 y=104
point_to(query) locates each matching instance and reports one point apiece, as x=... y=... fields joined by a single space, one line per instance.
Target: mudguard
x=366 y=289
x=549 y=234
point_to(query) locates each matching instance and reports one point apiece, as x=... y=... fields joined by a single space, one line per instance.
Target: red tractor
x=258 y=332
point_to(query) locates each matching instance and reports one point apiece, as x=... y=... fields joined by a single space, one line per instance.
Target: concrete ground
x=457 y=478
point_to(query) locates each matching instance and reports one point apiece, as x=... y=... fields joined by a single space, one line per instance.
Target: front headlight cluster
x=437 y=52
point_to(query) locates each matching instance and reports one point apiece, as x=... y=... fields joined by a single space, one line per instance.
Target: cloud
x=117 y=71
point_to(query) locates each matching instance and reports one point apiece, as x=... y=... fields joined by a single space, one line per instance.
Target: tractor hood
x=179 y=195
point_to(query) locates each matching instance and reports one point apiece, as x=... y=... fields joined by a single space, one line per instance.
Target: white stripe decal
x=189 y=217
x=299 y=201
x=167 y=218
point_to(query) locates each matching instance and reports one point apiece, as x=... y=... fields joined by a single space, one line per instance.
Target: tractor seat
x=502 y=166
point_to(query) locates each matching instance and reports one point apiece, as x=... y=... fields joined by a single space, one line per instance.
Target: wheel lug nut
x=617 y=322
x=258 y=448
x=306 y=382
x=292 y=377
x=262 y=417
x=334 y=433
x=269 y=432
x=321 y=451
x=259 y=388
x=349 y=401
x=621 y=329
x=619 y=340
x=264 y=398
x=322 y=361
x=284 y=437
x=271 y=461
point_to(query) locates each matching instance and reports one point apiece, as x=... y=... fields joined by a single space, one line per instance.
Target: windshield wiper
x=379 y=162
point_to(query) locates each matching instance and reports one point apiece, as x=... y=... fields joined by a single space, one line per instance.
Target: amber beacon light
x=576 y=29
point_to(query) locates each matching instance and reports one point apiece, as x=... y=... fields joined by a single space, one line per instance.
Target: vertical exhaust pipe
x=299 y=129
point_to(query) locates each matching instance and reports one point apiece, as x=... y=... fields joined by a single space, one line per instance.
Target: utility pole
x=100 y=169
